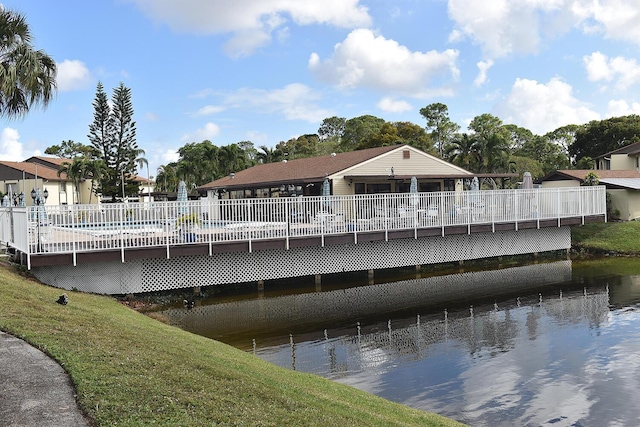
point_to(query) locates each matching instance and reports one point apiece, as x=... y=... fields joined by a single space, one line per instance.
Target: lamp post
x=38 y=201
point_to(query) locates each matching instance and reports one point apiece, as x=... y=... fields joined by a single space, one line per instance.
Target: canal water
x=554 y=343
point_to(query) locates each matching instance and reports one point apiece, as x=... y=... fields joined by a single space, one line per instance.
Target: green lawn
x=621 y=237
x=131 y=370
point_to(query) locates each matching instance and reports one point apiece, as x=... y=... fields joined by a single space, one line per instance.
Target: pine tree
x=113 y=134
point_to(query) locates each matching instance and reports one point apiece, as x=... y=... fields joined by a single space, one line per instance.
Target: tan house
x=371 y=171
x=22 y=177
x=625 y=158
x=40 y=172
x=618 y=170
x=623 y=187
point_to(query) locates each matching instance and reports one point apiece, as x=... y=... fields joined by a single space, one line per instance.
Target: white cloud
x=504 y=27
x=618 y=19
x=294 y=101
x=170 y=156
x=208 y=110
x=483 y=67
x=252 y=21
x=625 y=72
x=366 y=60
x=10 y=146
x=542 y=108
x=73 y=75
x=258 y=138
x=209 y=131
x=391 y=105
x=617 y=108
x=152 y=117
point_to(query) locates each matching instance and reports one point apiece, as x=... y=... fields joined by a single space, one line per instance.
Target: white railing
x=82 y=228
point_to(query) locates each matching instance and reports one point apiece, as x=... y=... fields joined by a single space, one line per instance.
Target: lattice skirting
x=147 y=275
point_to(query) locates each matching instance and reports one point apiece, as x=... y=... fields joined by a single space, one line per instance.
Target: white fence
x=82 y=228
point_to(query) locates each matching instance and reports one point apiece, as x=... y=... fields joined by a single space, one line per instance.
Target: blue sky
x=270 y=70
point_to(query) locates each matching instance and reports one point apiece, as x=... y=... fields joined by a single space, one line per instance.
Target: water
x=547 y=344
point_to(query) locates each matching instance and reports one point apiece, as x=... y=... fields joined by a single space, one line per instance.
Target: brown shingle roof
x=42 y=171
x=53 y=160
x=311 y=169
x=580 y=174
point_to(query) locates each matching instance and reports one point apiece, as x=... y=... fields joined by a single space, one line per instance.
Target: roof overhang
x=621 y=183
x=230 y=185
x=428 y=176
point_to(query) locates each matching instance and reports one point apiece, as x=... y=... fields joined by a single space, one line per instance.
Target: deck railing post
x=355 y=219
x=442 y=205
x=386 y=217
x=209 y=227
x=517 y=207
x=73 y=236
x=493 y=214
x=167 y=224
x=288 y=228
x=559 y=204
x=581 y=194
x=122 y=231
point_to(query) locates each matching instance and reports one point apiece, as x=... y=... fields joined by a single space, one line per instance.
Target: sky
x=270 y=70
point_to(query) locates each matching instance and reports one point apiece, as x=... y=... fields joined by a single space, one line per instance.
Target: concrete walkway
x=34 y=389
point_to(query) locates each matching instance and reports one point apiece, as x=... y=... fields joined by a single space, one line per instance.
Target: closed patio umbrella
x=326 y=192
x=413 y=189
x=182 y=197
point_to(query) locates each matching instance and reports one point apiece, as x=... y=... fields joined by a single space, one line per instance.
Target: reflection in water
x=537 y=356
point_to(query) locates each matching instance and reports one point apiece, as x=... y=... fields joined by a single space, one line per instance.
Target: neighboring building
x=22 y=177
x=618 y=170
x=68 y=195
x=622 y=185
x=371 y=171
x=625 y=158
x=39 y=172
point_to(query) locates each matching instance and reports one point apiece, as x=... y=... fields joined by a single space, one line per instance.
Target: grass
x=620 y=237
x=131 y=370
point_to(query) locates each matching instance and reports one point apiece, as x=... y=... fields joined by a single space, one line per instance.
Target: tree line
x=487 y=146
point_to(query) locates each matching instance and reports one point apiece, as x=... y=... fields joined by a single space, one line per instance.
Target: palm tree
x=76 y=171
x=27 y=76
x=267 y=155
x=94 y=170
x=494 y=154
x=464 y=151
x=141 y=161
x=166 y=177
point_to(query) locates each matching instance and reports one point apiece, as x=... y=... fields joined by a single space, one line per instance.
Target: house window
x=607 y=164
x=359 y=188
x=428 y=187
x=378 y=188
x=63 y=187
x=637 y=162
